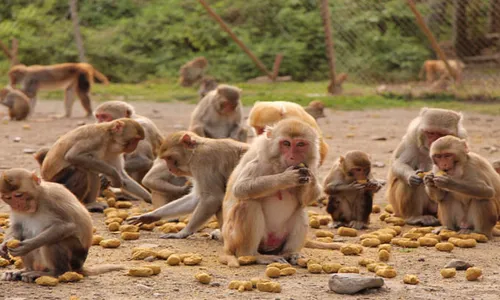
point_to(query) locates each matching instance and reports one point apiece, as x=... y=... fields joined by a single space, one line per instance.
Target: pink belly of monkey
x=277 y=210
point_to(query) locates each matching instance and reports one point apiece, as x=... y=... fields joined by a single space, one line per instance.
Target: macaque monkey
x=207 y=84
x=465 y=186
x=266 y=113
x=139 y=161
x=496 y=166
x=436 y=70
x=406 y=191
x=339 y=80
x=192 y=71
x=17 y=102
x=350 y=187
x=266 y=196
x=165 y=187
x=316 y=109
x=55 y=230
x=74 y=78
x=208 y=163
x=219 y=115
x=77 y=158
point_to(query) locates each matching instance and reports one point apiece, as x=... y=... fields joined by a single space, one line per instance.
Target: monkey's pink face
x=132 y=144
x=445 y=161
x=432 y=136
x=103 y=117
x=21 y=202
x=174 y=165
x=359 y=173
x=227 y=107
x=294 y=151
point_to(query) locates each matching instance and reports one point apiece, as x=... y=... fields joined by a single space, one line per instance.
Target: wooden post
x=330 y=54
x=226 y=28
x=76 y=30
x=430 y=36
x=276 y=66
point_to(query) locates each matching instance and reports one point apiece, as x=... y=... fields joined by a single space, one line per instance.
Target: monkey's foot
x=216 y=235
x=357 y=225
x=96 y=207
x=336 y=224
x=31 y=276
x=465 y=231
x=425 y=220
x=178 y=235
x=293 y=258
x=12 y=275
x=267 y=259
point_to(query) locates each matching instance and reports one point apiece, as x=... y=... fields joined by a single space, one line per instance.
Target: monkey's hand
x=297 y=175
x=429 y=180
x=356 y=186
x=116 y=181
x=443 y=182
x=23 y=249
x=3 y=250
x=415 y=180
x=373 y=185
x=178 y=235
x=143 y=219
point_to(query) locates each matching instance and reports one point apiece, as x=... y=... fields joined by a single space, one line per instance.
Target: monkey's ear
x=341 y=160
x=466 y=146
x=36 y=179
x=188 y=142
x=117 y=126
x=268 y=131
x=129 y=113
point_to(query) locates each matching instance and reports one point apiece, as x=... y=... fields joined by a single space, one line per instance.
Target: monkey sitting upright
x=54 y=229
x=17 y=102
x=316 y=109
x=350 y=187
x=192 y=71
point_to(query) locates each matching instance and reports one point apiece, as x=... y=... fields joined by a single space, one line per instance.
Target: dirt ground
x=343 y=131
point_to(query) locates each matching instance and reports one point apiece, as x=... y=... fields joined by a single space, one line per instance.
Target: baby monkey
x=16 y=101
x=350 y=187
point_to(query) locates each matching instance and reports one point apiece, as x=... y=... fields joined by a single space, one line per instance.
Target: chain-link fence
x=380 y=42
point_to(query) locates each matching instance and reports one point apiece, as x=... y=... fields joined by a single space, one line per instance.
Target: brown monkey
x=207 y=84
x=468 y=193
x=165 y=187
x=266 y=196
x=350 y=187
x=339 y=80
x=316 y=109
x=192 y=71
x=219 y=115
x=406 y=191
x=55 y=230
x=436 y=70
x=266 y=113
x=77 y=158
x=209 y=162
x=17 y=102
x=72 y=77
x=139 y=161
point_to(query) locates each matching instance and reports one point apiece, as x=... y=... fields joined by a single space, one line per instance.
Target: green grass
x=359 y=97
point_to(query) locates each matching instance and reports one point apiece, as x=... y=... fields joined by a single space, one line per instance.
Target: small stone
x=378 y=164
x=351 y=283
x=458 y=264
x=80 y=123
x=17 y=139
x=27 y=126
x=149 y=258
x=29 y=151
x=379 y=138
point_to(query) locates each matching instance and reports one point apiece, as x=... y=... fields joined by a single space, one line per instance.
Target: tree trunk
x=460 y=40
x=76 y=29
x=494 y=17
x=437 y=16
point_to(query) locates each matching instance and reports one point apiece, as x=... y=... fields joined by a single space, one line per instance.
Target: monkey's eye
x=18 y=194
x=286 y=143
x=447 y=155
x=357 y=169
x=301 y=144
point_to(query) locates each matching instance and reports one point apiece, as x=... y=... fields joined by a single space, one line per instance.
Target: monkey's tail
x=101 y=269
x=101 y=77
x=321 y=245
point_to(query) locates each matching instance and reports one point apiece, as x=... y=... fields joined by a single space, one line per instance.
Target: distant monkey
x=436 y=70
x=139 y=161
x=219 y=115
x=468 y=193
x=316 y=109
x=55 y=230
x=405 y=190
x=339 y=80
x=72 y=77
x=350 y=187
x=17 y=102
x=266 y=196
x=267 y=113
x=77 y=158
x=208 y=163
x=207 y=84
x=192 y=71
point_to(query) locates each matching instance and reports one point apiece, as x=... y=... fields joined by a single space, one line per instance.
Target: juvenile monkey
x=266 y=196
x=72 y=77
x=192 y=71
x=406 y=191
x=16 y=101
x=218 y=115
x=266 y=113
x=77 y=158
x=436 y=70
x=350 y=187
x=139 y=161
x=339 y=80
x=316 y=109
x=55 y=230
x=208 y=163
x=468 y=193
x=207 y=84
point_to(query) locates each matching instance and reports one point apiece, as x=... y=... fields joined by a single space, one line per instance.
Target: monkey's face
x=432 y=136
x=128 y=134
x=294 y=151
x=18 y=188
x=227 y=107
x=445 y=162
x=359 y=173
x=177 y=162
x=103 y=117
